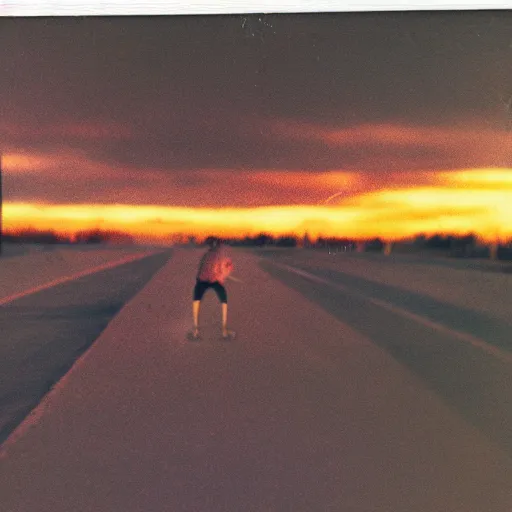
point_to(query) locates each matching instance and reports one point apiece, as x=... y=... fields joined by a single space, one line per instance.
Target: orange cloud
x=61 y=165
x=26 y=162
x=72 y=172
x=82 y=130
x=292 y=187
x=473 y=143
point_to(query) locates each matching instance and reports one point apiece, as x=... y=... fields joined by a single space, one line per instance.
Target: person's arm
x=227 y=267
x=201 y=264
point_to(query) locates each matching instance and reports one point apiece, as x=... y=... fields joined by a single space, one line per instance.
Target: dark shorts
x=202 y=286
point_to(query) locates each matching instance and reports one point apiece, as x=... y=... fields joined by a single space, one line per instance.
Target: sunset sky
x=349 y=124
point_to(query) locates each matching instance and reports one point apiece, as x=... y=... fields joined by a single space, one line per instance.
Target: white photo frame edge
x=202 y=7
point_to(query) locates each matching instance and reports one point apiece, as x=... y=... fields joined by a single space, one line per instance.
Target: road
x=341 y=392
x=43 y=333
x=462 y=351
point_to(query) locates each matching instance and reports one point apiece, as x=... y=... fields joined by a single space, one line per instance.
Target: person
x=214 y=268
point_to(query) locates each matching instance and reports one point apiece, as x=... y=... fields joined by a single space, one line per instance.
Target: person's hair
x=214 y=242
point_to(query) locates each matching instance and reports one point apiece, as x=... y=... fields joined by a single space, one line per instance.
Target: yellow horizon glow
x=458 y=202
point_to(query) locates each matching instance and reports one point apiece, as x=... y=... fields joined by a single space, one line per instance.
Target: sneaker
x=228 y=335
x=194 y=334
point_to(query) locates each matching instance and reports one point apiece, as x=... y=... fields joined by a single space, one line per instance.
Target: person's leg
x=223 y=297
x=195 y=313
x=199 y=290
x=224 y=318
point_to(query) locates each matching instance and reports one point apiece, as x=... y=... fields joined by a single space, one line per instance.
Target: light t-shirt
x=216 y=265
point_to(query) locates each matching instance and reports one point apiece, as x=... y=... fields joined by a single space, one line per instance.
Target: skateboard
x=190 y=336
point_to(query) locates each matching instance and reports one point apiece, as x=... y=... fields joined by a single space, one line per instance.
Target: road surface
x=44 y=333
x=331 y=398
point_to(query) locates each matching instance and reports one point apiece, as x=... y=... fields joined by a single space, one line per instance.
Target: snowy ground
x=326 y=401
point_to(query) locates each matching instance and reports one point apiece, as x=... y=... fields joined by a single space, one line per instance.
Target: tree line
x=463 y=245
x=49 y=237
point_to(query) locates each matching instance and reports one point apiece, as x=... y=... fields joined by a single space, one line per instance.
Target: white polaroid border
x=183 y=7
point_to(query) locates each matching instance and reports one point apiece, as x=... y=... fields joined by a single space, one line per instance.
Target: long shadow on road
x=474 y=383
x=45 y=333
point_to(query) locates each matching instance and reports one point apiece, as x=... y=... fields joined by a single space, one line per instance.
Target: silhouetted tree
x=438 y=242
x=420 y=240
x=321 y=242
x=94 y=236
x=286 y=241
x=34 y=236
x=375 y=245
x=263 y=239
